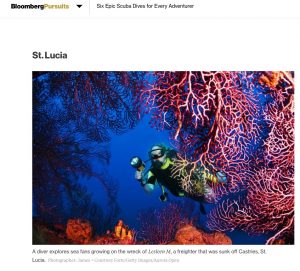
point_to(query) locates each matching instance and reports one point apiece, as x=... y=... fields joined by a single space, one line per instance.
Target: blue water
x=131 y=196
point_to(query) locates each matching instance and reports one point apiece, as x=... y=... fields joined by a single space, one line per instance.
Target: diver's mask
x=158 y=157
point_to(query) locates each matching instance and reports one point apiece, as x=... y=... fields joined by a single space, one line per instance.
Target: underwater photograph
x=163 y=158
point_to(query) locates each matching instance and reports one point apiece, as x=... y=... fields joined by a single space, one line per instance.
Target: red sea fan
x=213 y=116
x=269 y=205
x=243 y=124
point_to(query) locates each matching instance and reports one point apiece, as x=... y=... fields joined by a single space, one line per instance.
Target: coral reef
x=159 y=226
x=269 y=79
x=122 y=231
x=79 y=231
x=121 y=235
x=48 y=234
x=189 y=235
x=241 y=123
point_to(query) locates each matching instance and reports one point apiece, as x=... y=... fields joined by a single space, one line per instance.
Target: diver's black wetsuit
x=164 y=177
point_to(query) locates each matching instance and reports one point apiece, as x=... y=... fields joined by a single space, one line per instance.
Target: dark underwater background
x=86 y=128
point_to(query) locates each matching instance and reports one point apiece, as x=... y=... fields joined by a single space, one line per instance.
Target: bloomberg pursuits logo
x=40 y=7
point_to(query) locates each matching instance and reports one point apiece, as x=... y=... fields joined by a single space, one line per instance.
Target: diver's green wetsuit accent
x=210 y=177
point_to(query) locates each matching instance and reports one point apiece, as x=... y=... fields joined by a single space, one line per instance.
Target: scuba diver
x=178 y=177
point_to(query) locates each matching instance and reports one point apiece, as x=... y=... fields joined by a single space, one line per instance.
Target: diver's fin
x=202 y=208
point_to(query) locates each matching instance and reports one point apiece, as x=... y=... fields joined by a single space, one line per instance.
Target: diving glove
x=138 y=175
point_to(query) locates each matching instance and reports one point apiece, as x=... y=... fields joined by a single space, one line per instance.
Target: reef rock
x=216 y=238
x=48 y=234
x=270 y=79
x=79 y=231
x=189 y=235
